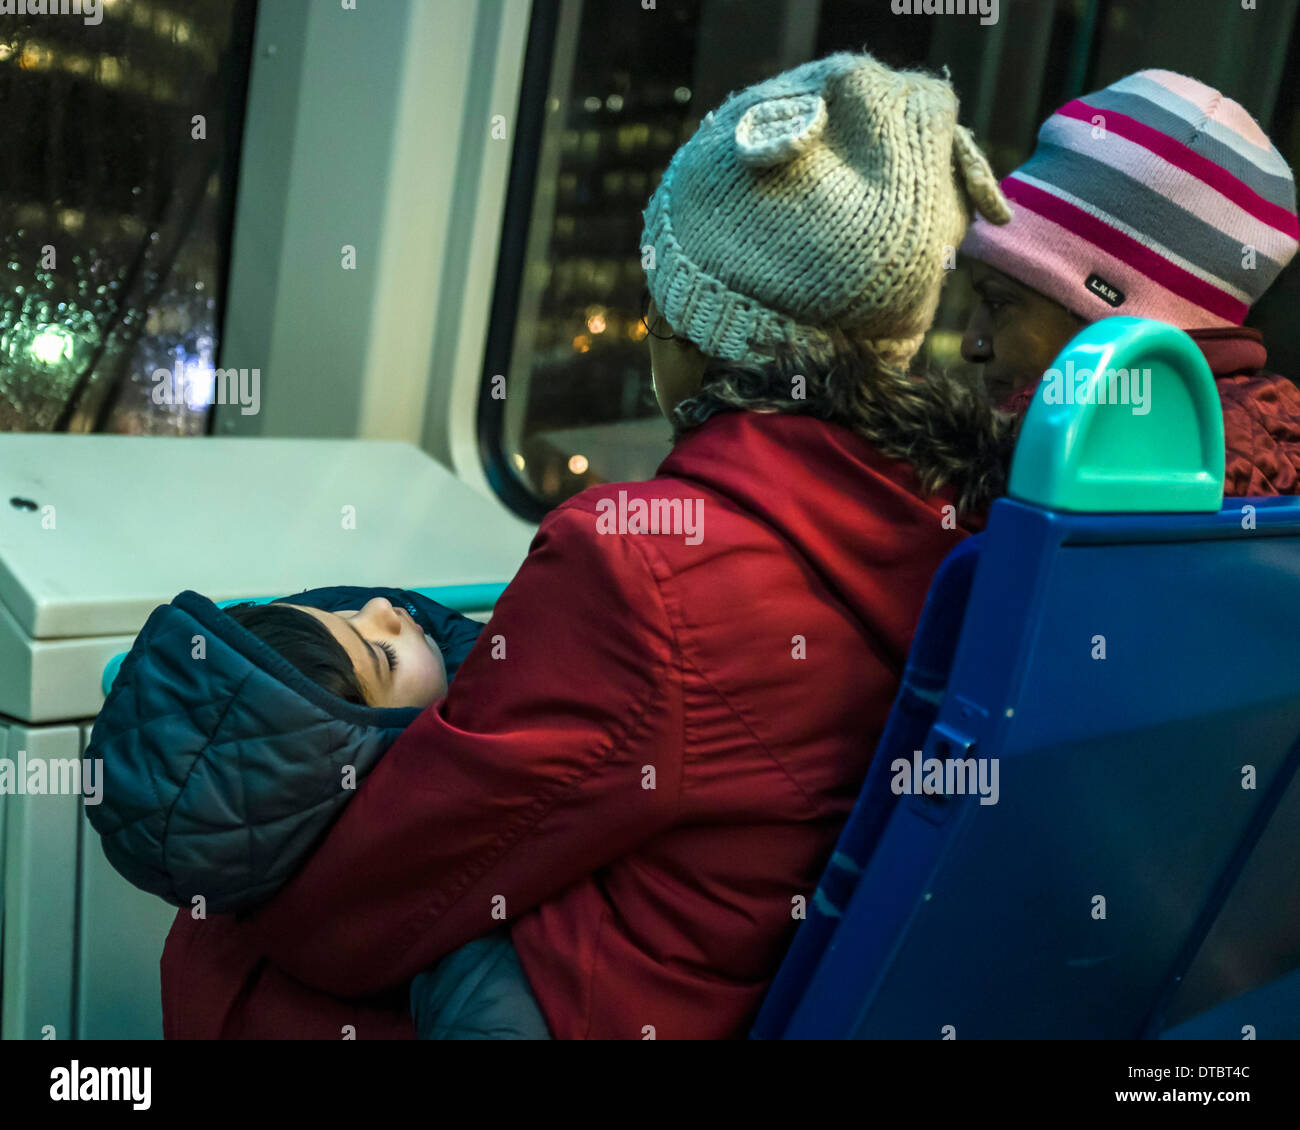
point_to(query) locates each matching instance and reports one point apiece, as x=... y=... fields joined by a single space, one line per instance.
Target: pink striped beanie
x=1156 y=198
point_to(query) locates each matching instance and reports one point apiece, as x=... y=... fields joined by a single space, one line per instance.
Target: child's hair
x=306 y=643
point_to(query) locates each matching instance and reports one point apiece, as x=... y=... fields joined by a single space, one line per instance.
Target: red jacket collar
x=1232 y=352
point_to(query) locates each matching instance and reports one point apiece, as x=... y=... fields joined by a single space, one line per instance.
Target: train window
x=611 y=90
x=120 y=130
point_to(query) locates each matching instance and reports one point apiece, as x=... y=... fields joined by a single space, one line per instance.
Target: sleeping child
x=231 y=739
x=388 y=652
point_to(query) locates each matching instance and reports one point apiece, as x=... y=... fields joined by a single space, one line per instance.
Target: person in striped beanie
x=1157 y=197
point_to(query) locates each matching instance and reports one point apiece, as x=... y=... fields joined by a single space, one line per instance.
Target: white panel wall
x=120 y=936
x=372 y=128
x=38 y=861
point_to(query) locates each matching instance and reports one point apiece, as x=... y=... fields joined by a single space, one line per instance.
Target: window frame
x=521 y=187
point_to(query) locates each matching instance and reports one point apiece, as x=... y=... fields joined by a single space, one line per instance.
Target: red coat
x=746 y=678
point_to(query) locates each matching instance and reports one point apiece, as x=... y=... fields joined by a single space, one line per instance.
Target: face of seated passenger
x=395 y=662
x=1014 y=332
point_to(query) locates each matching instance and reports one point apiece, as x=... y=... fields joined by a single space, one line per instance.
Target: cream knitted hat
x=830 y=195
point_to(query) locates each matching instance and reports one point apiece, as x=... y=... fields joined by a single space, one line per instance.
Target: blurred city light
x=51 y=345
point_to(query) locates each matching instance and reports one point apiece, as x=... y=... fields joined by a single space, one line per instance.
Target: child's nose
x=382 y=615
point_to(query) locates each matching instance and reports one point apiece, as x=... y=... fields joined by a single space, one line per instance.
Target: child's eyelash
x=390 y=652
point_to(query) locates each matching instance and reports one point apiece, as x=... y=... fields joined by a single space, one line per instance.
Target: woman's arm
x=217 y=986
x=557 y=751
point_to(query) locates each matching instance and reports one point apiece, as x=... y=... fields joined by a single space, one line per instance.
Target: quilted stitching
x=219 y=779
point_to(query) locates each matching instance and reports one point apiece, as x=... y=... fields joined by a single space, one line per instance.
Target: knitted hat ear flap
x=977 y=178
x=777 y=130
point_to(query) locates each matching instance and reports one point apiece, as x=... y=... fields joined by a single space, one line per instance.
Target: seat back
x=914 y=712
x=1097 y=835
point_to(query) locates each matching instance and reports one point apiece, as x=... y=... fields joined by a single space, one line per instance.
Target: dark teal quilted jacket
x=223 y=764
x=223 y=768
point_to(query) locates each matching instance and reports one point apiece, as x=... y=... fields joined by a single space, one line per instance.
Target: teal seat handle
x=1127 y=420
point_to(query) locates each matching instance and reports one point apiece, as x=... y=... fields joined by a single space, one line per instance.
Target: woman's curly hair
x=942 y=426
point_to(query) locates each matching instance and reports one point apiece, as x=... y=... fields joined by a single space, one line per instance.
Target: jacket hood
x=223 y=765
x=861 y=520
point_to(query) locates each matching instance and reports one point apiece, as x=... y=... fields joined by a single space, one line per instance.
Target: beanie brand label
x=1103 y=290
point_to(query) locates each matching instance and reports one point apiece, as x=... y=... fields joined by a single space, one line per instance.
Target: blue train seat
x=1083 y=817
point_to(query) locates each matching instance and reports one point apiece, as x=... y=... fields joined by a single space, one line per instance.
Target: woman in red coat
x=643 y=765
